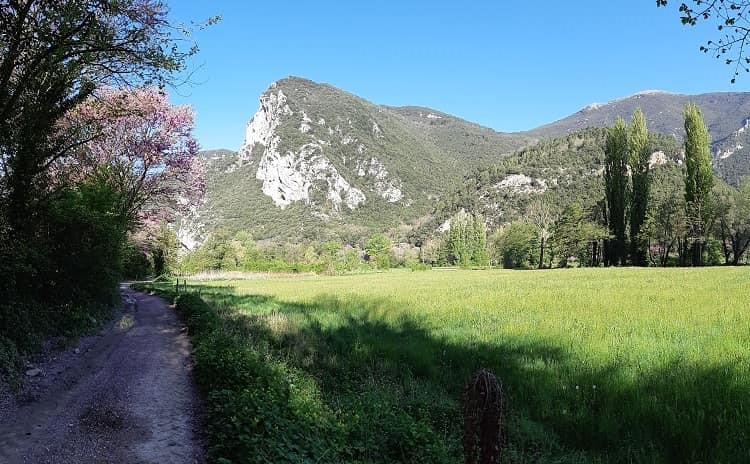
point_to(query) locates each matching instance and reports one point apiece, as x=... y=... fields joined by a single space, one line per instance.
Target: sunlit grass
x=609 y=365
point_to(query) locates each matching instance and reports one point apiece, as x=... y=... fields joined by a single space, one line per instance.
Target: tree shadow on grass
x=560 y=408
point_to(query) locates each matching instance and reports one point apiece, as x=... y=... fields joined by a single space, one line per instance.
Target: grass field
x=599 y=365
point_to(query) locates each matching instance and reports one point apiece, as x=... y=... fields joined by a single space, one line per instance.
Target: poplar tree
x=641 y=183
x=457 y=240
x=467 y=240
x=480 y=257
x=698 y=179
x=616 y=187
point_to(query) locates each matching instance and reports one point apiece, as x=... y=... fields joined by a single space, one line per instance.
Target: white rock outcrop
x=521 y=183
x=296 y=173
x=658 y=158
x=288 y=177
x=261 y=128
x=384 y=185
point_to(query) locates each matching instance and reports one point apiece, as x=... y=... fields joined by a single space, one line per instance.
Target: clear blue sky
x=507 y=65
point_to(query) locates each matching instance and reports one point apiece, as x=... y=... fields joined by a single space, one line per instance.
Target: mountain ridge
x=321 y=162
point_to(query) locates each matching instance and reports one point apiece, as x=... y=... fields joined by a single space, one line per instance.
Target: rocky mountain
x=320 y=163
x=317 y=160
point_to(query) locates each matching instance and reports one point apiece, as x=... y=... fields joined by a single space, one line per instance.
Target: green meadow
x=598 y=365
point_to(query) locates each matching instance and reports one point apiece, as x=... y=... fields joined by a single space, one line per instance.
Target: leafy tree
x=479 y=254
x=698 y=179
x=135 y=262
x=460 y=239
x=515 y=245
x=244 y=248
x=429 y=252
x=731 y=19
x=467 y=240
x=666 y=223
x=67 y=226
x=141 y=145
x=352 y=258
x=616 y=159
x=165 y=249
x=638 y=145
x=54 y=54
x=216 y=253
x=544 y=218
x=732 y=209
x=331 y=256
x=575 y=233
x=378 y=247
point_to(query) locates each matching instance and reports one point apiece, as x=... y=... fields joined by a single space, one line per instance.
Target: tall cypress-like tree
x=480 y=256
x=639 y=169
x=698 y=179
x=467 y=240
x=616 y=189
x=458 y=240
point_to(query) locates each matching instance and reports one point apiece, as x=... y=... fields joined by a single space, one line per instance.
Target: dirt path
x=126 y=395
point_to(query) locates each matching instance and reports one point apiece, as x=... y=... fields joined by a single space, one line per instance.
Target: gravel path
x=125 y=395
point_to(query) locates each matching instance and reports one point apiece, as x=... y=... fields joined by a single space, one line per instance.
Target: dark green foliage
x=61 y=233
x=160 y=266
x=58 y=292
x=640 y=155
x=10 y=360
x=378 y=248
x=515 y=245
x=135 y=264
x=568 y=166
x=666 y=225
x=164 y=247
x=467 y=240
x=731 y=210
x=577 y=237
x=698 y=179
x=616 y=190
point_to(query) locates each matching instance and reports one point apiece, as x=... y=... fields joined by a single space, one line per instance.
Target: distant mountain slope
x=562 y=170
x=727 y=115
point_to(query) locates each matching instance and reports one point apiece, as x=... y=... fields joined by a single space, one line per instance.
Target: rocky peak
x=300 y=157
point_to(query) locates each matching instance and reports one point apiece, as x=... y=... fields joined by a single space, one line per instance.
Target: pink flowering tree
x=142 y=146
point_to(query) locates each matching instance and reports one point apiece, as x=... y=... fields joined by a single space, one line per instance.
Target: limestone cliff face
x=299 y=159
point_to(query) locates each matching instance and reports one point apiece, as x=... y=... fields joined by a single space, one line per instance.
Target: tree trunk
x=595 y=253
x=541 y=253
x=665 y=256
x=697 y=253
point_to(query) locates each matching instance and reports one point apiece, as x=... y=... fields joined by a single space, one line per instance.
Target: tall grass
x=599 y=365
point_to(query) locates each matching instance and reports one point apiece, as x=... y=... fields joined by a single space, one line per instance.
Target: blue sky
x=506 y=65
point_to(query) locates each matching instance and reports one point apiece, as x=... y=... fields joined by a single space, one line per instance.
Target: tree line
x=649 y=215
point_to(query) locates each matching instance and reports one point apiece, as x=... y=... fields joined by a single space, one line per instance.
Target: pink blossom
x=143 y=146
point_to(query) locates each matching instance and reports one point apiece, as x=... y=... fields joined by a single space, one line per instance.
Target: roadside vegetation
x=93 y=158
x=598 y=365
